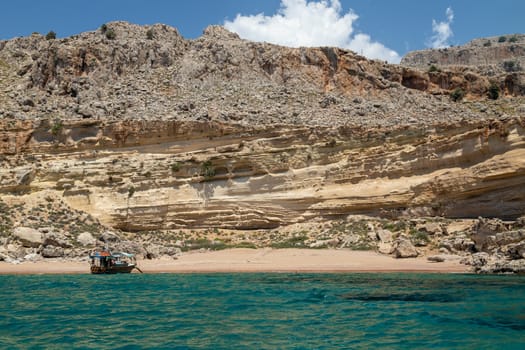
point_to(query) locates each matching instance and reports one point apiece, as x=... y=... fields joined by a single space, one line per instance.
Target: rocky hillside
x=506 y=53
x=501 y=60
x=145 y=139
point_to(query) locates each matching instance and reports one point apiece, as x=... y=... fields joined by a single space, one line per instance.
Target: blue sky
x=393 y=26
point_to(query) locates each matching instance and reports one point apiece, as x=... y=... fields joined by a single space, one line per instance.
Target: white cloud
x=310 y=23
x=442 y=31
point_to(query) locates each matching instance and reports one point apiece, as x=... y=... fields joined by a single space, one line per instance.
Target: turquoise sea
x=262 y=311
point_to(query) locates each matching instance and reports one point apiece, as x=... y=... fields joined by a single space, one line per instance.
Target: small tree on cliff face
x=110 y=34
x=51 y=35
x=131 y=191
x=493 y=91
x=207 y=170
x=457 y=95
x=56 y=128
x=432 y=69
x=150 y=34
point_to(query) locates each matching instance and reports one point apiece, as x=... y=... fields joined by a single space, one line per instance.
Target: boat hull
x=112 y=269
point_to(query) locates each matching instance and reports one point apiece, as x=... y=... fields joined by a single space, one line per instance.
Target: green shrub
x=57 y=127
x=51 y=35
x=420 y=235
x=131 y=191
x=207 y=169
x=419 y=238
x=244 y=244
x=493 y=91
x=362 y=246
x=433 y=68
x=513 y=39
x=150 y=34
x=110 y=34
x=502 y=39
x=103 y=28
x=511 y=66
x=203 y=243
x=457 y=95
x=395 y=226
x=175 y=167
x=293 y=242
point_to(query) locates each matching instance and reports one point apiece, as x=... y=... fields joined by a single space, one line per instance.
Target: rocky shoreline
x=484 y=245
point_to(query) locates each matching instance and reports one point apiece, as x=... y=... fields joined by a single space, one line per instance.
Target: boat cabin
x=104 y=261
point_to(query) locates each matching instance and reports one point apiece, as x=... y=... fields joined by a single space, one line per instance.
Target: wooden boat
x=104 y=261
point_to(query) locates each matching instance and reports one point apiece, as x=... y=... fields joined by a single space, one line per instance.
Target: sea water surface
x=262 y=311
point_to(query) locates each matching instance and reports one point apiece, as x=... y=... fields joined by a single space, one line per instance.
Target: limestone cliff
x=145 y=131
x=499 y=61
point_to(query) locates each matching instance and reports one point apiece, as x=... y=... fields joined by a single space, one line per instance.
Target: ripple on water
x=263 y=311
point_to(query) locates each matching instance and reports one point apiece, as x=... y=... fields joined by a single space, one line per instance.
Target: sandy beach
x=257 y=260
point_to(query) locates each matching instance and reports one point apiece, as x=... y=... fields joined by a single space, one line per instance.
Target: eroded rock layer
x=166 y=175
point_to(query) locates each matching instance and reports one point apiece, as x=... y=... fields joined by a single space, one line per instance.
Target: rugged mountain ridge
x=131 y=76
x=152 y=134
x=504 y=53
x=499 y=59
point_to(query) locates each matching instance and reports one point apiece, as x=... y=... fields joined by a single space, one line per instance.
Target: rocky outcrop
x=485 y=263
x=495 y=62
x=137 y=75
x=492 y=51
x=28 y=237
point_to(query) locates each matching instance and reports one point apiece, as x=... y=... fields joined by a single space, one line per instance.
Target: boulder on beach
x=403 y=248
x=86 y=239
x=28 y=237
x=52 y=252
